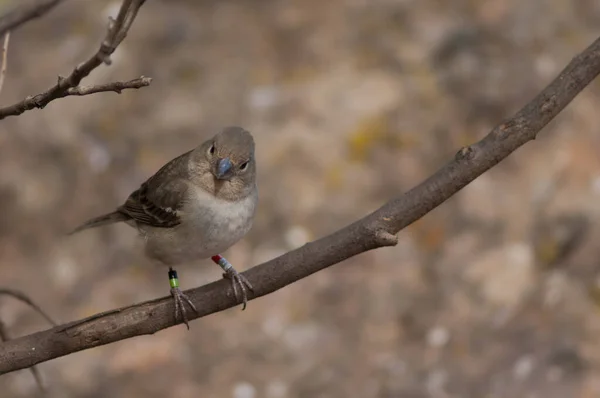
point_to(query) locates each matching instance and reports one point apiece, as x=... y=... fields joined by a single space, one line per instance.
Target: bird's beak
x=223 y=167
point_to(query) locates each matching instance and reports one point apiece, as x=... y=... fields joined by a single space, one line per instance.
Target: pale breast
x=210 y=226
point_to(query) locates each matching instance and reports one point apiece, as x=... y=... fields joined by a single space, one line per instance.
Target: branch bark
x=117 y=31
x=377 y=229
x=25 y=13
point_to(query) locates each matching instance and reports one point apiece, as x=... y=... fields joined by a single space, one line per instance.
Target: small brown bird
x=196 y=206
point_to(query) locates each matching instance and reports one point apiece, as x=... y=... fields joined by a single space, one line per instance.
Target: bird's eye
x=244 y=166
x=211 y=150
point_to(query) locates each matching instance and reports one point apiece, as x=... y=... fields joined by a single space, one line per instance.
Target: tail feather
x=105 y=219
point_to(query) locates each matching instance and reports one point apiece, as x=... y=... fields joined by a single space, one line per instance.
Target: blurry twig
x=375 y=230
x=24 y=13
x=117 y=31
x=4 y=337
x=22 y=297
x=4 y=55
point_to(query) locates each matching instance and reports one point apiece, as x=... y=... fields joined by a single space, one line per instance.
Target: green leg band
x=173 y=280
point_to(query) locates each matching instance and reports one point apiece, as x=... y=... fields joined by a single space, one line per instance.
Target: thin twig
x=117 y=87
x=24 y=13
x=25 y=299
x=377 y=229
x=4 y=336
x=117 y=31
x=4 y=61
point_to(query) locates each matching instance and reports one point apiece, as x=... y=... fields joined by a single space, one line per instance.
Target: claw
x=239 y=280
x=180 y=300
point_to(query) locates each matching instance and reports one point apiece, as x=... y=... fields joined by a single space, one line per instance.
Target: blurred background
x=352 y=102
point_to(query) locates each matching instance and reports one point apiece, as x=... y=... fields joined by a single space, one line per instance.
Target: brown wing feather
x=158 y=201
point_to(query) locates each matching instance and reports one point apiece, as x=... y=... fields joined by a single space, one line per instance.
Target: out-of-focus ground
x=494 y=294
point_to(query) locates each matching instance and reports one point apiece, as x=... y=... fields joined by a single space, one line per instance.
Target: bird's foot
x=240 y=284
x=180 y=298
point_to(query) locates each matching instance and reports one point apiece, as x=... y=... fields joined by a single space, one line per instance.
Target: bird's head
x=226 y=163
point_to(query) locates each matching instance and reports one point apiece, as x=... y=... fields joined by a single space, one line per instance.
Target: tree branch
x=25 y=13
x=117 y=31
x=117 y=87
x=378 y=229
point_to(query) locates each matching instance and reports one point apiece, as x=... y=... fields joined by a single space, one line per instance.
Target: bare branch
x=24 y=13
x=117 y=87
x=117 y=31
x=373 y=231
x=4 y=61
x=30 y=102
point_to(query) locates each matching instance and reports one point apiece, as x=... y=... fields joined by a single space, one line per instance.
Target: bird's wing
x=159 y=200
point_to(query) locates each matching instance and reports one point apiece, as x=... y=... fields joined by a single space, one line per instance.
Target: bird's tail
x=110 y=218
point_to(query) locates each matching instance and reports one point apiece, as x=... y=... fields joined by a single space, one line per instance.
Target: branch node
x=384 y=238
x=503 y=129
x=111 y=23
x=38 y=101
x=465 y=153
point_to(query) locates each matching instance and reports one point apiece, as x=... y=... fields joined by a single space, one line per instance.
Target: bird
x=196 y=206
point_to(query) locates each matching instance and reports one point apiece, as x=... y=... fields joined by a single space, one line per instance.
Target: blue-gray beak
x=223 y=167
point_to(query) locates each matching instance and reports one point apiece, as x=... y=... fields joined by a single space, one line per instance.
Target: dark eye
x=211 y=150
x=244 y=166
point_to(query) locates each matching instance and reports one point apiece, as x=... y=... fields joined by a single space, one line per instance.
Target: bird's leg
x=238 y=281
x=180 y=298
